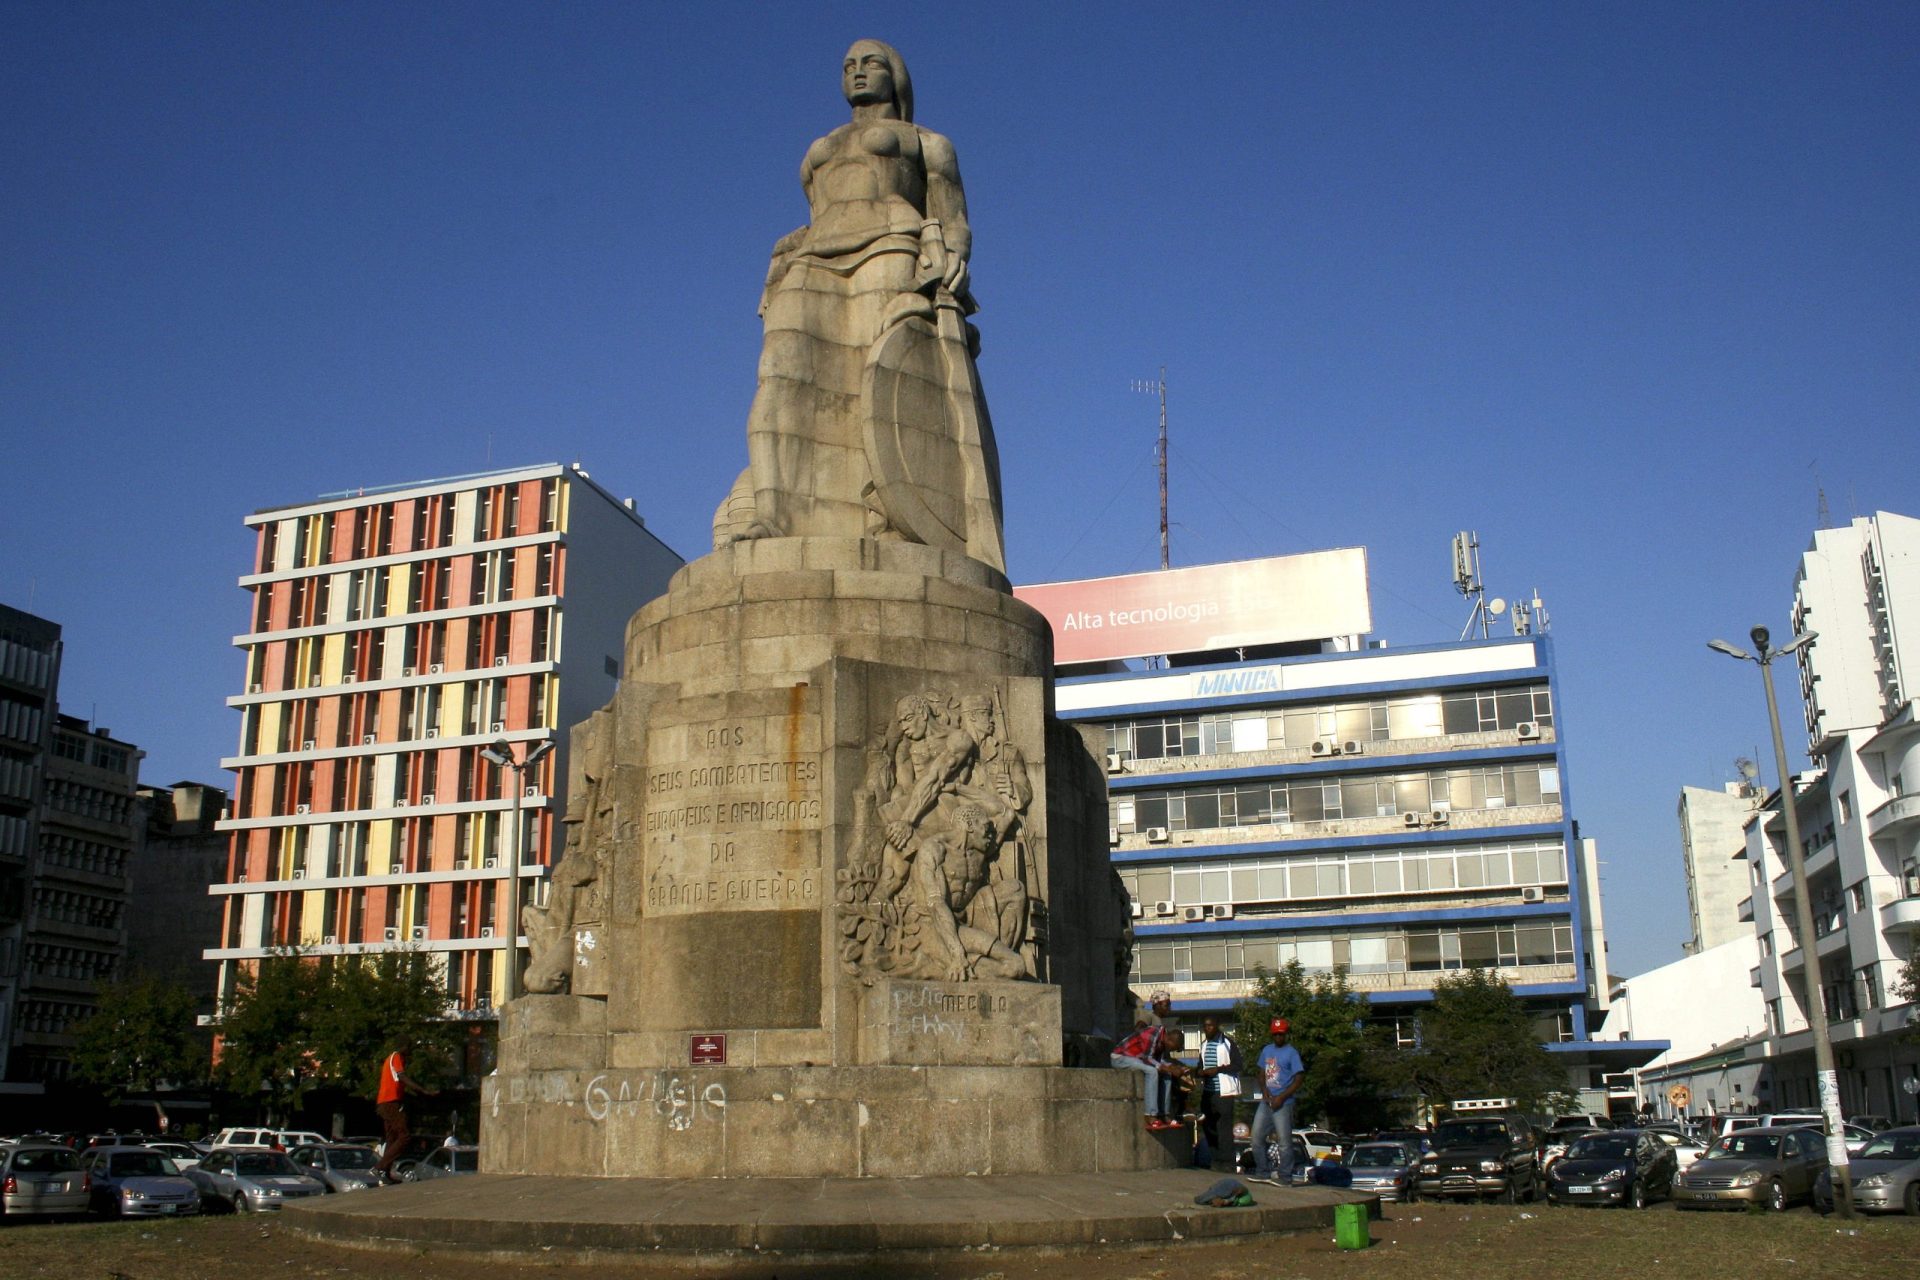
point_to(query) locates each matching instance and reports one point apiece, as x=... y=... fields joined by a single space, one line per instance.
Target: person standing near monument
x=1220 y=1068
x=1280 y=1071
x=390 y=1105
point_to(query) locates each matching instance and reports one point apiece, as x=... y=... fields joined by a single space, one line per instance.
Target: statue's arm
x=947 y=205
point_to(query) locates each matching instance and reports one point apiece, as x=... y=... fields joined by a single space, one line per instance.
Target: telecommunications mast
x=1160 y=454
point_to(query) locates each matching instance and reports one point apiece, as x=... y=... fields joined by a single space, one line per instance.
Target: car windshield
x=1382 y=1157
x=254 y=1163
x=57 y=1160
x=1600 y=1147
x=351 y=1158
x=141 y=1164
x=465 y=1161
x=1747 y=1146
x=1892 y=1146
x=1469 y=1133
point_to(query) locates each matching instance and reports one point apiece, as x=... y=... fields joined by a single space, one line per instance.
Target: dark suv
x=1491 y=1154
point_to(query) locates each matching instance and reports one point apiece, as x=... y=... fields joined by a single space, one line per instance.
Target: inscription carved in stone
x=937 y=884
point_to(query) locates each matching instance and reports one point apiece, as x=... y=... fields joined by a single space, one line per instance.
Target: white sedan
x=249 y=1181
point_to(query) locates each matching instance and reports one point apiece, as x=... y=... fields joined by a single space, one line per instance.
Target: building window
x=1846 y=807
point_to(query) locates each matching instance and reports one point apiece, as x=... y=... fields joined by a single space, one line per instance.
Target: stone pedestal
x=836 y=893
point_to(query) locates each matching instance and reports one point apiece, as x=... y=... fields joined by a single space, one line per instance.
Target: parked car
x=1385 y=1168
x=1324 y=1144
x=1557 y=1144
x=340 y=1166
x=1770 y=1167
x=444 y=1162
x=1685 y=1150
x=1886 y=1175
x=1419 y=1139
x=41 y=1178
x=183 y=1154
x=1616 y=1166
x=137 y=1182
x=272 y=1139
x=1243 y=1152
x=1774 y=1120
x=249 y=1180
x=1492 y=1154
x=1580 y=1122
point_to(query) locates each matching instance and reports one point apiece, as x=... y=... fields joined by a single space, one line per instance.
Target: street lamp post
x=501 y=753
x=1803 y=915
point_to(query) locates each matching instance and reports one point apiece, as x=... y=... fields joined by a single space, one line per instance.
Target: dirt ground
x=1423 y=1241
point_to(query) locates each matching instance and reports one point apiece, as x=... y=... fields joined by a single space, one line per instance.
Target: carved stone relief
x=939 y=880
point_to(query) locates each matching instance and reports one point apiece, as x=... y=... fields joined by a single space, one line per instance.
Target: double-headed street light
x=1802 y=914
x=501 y=754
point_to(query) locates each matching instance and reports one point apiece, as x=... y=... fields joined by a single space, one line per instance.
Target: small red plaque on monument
x=709 y=1051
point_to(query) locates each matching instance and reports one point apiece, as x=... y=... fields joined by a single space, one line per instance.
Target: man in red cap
x=1280 y=1072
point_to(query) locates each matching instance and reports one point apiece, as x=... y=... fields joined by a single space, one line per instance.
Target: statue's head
x=874 y=72
x=976 y=715
x=915 y=713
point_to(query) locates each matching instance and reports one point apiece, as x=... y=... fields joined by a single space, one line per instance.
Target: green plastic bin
x=1350 y=1230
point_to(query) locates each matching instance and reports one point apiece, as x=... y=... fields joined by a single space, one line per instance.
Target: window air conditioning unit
x=483 y=1003
x=1414 y=819
x=1163 y=908
x=367 y=740
x=1527 y=729
x=531 y=793
x=347 y=677
x=299 y=873
x=315 y=683
x=1223 y=912
x=486 y=931
x=307 y=745
x=436 y=668
x=427 y=799
x=499 y=662
x=433 y=733
x=331 y=940
x=253 y=688
x=492 y=861
x=1322 y=747
x=1113 y=762
x=1113 y=837
x=1352 y=748
x=1193 y=913
x=1533 y=893
x=419 y=933
x=401 y=802
x=303 y=808
x=1135 y=910
x=1156 y=835
x=460 y=864
x=1440 y=817
x=241 y=876
x=498 y=726
x=393 y=934
x=406 y=671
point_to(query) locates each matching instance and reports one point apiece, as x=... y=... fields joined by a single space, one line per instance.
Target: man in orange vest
x=395 y=1084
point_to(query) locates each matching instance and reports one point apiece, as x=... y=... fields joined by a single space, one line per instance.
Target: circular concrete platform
x=715 y=1221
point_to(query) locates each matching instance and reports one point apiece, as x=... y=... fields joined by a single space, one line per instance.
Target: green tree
x=297 y=1022
x=1349 y=1078
x=142 y=1035
x=1907 y=988
x=1476 y=1041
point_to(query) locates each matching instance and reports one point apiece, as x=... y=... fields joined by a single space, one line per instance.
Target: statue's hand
x=899 y=833
x=955 y=279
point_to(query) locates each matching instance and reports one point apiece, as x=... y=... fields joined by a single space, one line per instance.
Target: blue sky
x=1618 y=286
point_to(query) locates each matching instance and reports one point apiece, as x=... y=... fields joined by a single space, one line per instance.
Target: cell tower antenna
x=1466 y=580
x=1160 y=455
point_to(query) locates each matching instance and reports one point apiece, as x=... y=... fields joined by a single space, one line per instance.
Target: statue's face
x=866 y=76
x=913 y=719
x=978 y=721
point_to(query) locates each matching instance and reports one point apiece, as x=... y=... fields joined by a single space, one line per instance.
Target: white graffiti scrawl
x=681 y=1102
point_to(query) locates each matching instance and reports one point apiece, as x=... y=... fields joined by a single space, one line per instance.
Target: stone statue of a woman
x=868 y=420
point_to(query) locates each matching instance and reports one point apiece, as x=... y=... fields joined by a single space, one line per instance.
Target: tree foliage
x=1477 y=1042
x=297 y=1022
x=142 y=1035
x=1349 y=1078
x=1907 y=988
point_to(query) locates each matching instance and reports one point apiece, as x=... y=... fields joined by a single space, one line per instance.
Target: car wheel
x=1639 y=1195
x=1777 y=1196
x=1511 y=1195
x=240 y=1203
x=1912 y=1199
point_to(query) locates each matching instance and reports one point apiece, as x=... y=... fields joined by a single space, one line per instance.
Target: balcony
x=1898 y=816
x=1753 y=976
x=1746 y=909
x=1902 y=916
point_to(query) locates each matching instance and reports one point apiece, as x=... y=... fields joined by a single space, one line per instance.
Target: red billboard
x=1216 y=606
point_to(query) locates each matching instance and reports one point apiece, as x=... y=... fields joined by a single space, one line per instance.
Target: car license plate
x=1580 y=1191
x=52 y=1188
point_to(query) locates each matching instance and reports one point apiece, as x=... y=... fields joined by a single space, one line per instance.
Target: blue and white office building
x=1398 y=813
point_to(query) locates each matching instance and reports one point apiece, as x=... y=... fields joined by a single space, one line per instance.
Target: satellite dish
x=1496 y=606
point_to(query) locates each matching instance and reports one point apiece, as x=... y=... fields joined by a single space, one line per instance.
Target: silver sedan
x=249 y=1181
x=342 y=1166
x=1886 y=1175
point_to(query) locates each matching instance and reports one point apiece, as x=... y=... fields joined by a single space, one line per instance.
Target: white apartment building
x=1712 y=839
